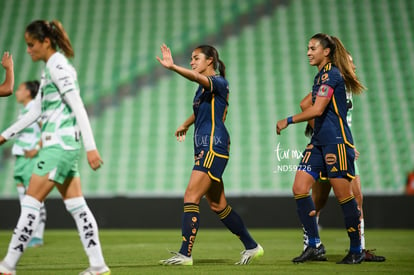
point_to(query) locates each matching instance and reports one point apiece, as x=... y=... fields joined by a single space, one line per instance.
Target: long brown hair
x=340 y=57
x=41 y=29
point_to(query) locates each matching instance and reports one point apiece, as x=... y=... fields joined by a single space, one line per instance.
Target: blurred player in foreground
x=64 y=121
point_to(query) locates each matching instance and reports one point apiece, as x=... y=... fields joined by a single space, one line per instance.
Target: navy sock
x=352 y=223
x=235 y=224
x=304 y=206
x=189 y=227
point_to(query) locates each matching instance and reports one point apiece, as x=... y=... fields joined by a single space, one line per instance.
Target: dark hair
x=42 y=29
x=210 y=51
x=33 y=87
x=340 y=57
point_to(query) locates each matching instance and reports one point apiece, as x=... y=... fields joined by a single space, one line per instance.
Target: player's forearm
x=189 y=121
x=75 y=102
x=191 y=75
x=307 y=115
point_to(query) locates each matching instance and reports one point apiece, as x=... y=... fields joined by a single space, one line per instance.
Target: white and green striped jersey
x=60 y=108
x=59 y=125
x=28 y=137
x=350 y=105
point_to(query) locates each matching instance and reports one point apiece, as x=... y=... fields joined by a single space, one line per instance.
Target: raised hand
x=167 y=60
x=7 y=61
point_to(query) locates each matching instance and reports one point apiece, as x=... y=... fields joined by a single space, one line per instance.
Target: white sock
x=362 y=234
x=40 y=230
x=28 y=221
x=88 y=230
x=21 y=190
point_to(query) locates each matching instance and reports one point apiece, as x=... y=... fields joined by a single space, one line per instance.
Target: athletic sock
x=305 y=205
x=189 y=227
x=88 y=230
x=21 y=191
x=352 y=222
x=235 y=224
x=362 y=227
x=28 y=221
x=39 y=232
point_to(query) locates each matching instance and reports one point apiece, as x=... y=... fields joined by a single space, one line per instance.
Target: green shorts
x=23 y=169
x=60 y=164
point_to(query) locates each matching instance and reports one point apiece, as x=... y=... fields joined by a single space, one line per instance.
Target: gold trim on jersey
x=341 y=123
x=321 y=177
x=342 y=157
x=350 y=176
x=213 y=126
x=213 y=177
x=208 y=161
x=306 y=157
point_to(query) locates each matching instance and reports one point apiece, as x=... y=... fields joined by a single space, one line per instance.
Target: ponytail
x=62 y=38
x=341 y=59
x=222 y=68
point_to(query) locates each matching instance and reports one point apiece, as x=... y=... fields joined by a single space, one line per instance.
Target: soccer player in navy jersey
x=211 y=152
x=330 y=154
x=321 y=189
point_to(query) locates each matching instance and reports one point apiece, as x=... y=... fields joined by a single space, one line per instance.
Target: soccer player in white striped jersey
x=25 y=148
x=64 y=119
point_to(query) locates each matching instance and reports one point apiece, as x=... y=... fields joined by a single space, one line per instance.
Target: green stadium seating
x=116 y=43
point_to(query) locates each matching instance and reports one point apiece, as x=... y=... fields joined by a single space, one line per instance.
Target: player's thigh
x=215 y=196
x=320 y=193
x=309 y=170
x=342 y=188
x=303 y=183
x=71 y=188
x=197 y=187
x=39 y=187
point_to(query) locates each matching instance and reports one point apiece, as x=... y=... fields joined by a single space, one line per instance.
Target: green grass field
x=215 y=252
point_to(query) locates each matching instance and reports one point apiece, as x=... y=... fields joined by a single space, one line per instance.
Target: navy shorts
x=211 y=163
x=328 y=161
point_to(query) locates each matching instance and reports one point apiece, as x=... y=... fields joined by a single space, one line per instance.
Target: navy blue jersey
x=331 y=127
x=210 y=110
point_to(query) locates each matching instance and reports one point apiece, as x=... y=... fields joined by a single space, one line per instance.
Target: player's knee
x=216 y=207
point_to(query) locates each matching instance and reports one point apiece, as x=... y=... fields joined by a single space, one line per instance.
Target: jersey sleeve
x=64 y=77
x=24 y=121
x=329 y=81
x=219 y=86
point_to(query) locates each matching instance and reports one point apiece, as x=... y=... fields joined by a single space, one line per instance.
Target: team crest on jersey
x=330 y=159
x=324 y=77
